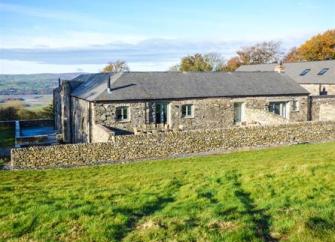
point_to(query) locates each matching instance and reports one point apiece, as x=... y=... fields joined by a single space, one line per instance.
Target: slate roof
x=294 y=70
x=178 y=85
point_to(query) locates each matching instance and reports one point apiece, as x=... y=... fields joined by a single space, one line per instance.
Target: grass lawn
x=277 y=194
x=7 y=137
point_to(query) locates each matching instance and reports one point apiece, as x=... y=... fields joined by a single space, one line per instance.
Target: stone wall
x=322 y=108
x=162 y=145
x=208 y=113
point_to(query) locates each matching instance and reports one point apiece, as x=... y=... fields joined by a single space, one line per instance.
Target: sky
x=45 y=36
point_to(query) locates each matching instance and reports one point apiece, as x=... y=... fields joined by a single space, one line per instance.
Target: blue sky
x=80 y=35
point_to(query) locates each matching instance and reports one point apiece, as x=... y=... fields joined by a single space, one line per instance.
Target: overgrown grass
x=268 y=195
x=7 y=136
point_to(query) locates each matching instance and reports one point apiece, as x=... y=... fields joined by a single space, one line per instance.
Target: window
x=305 y=72
x=238 y=112
x=323 y=71
x=187 y=111
x=278 y=108
x=295 y=105
x=122 y=113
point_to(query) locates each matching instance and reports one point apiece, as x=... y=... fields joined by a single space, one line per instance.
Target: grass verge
x=267 y=195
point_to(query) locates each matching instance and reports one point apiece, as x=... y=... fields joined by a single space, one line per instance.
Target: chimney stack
x=109 y=80
x=279 y=68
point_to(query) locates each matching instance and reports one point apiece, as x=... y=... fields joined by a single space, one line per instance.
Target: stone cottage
x=95 y=107
x=318 y=77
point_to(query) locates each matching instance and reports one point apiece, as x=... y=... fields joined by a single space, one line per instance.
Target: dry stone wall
x=163 y=145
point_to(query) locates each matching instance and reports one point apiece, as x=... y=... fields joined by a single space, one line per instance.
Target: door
x=238 y=112
x=161 y=113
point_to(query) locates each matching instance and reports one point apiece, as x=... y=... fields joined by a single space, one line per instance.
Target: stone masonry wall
x=80 y=120
x=323 y=108
x=163 y=145
x=209 y=113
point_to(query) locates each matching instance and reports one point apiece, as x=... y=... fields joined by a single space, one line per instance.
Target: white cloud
x=29 y=67
x=68 y=39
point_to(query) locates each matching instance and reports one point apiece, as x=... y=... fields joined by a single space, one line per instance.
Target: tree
x=292 y=56
x=47 y=112
x=200 y=62
x=195 y=62
x=232 y=64
x=260 y=53
x=117 y=66
x=317 y=48
x=174 y=68
x=8 y=113
x=215 y=60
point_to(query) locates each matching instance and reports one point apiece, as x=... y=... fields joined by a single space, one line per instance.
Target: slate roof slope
x=294 y=70
x=175 y=85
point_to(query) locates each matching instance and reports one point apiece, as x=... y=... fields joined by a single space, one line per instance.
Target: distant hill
x=24 y=84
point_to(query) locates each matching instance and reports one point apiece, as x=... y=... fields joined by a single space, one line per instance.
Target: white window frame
x=189 y=107
x=284 y=108
x=242 y=114
x=122 y=119
x=297 y=107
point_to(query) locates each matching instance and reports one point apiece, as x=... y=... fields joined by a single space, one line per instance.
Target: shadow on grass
x=259 y=218
x=135 y=215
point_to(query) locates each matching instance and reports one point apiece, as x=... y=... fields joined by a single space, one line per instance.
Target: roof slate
x=294 y=70
x=178 y=85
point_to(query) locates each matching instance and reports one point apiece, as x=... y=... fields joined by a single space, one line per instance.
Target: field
x=268 y=195
x=30 y=102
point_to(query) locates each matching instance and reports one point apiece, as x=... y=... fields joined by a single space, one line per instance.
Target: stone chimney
x=280 y=68
x=109 y=80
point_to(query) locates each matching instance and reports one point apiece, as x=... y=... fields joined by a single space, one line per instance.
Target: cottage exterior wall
x=314 y=89
x=80 y=120
x=323 y=108
x=208 y=113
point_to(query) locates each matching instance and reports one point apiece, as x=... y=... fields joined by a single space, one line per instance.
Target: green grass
x=277 y=194
x=7 y=137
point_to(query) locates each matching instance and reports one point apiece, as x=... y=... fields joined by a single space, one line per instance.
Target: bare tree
x=215 y=60
x=117 y=66
x=261 y=53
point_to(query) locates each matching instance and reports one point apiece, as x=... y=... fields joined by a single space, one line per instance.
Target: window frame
x=295 y=108
x=281 y=106
x=323 y=71
x=305 y=72
x=121 y=118
x=188 y=108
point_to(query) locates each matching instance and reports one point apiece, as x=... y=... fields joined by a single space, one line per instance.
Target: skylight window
x=323 y=71
x=305 y=72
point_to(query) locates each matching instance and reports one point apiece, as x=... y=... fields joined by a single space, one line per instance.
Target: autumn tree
x=292 y=56
x=117 y=66
x=232 y=64
x=317 y=48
